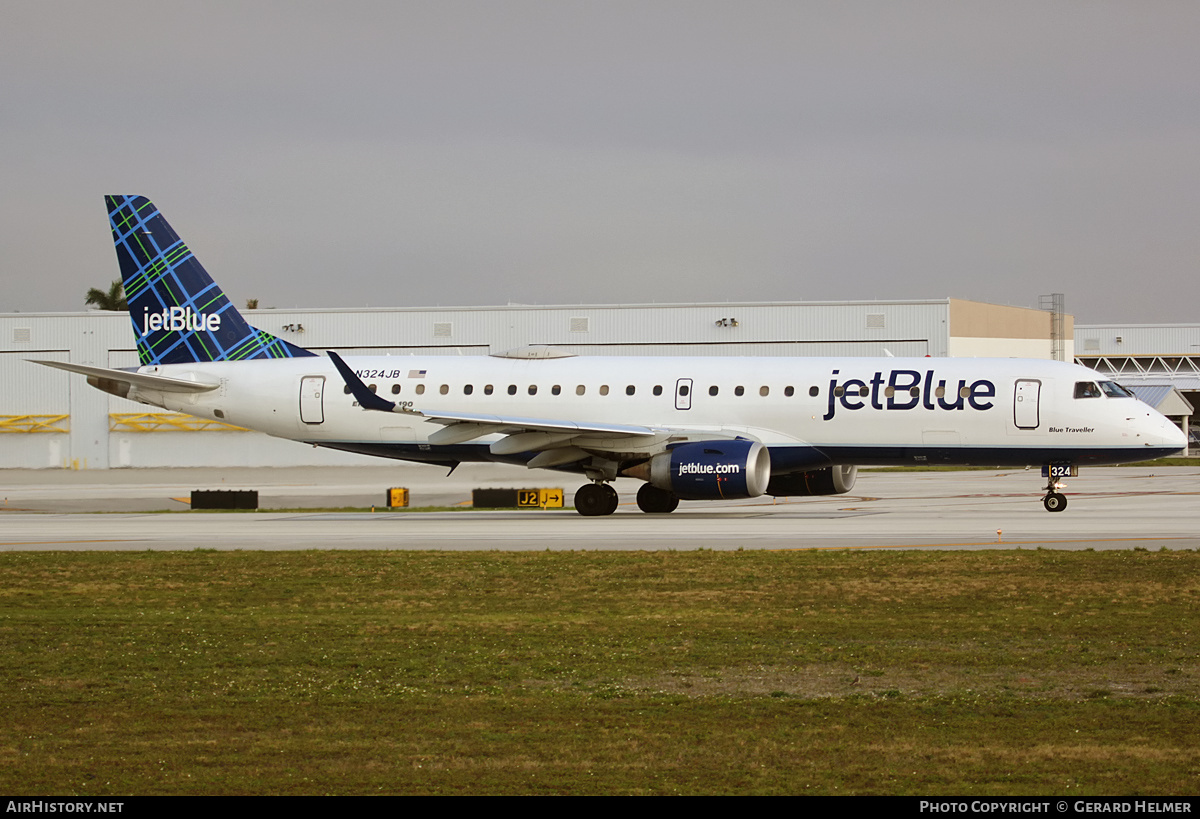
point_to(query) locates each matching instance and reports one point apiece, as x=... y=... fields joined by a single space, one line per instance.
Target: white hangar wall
x=53 y=419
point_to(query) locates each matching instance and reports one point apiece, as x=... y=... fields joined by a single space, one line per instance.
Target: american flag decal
x=416 y=373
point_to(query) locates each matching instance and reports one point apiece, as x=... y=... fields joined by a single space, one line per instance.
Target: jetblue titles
x=179 y=319
x=906 y=390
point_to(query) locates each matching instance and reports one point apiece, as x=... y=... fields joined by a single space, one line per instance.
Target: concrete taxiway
x=1116 y=508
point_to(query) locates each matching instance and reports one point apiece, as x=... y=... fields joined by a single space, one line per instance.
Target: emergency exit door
x=683 y=394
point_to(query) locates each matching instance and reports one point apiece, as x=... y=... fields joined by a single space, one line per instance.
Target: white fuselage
x=807 y=411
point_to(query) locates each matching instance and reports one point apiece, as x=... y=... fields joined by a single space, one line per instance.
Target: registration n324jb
x=689 y=428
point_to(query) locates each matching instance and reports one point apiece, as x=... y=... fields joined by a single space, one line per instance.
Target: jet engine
x=709 y=470
x=832 y=480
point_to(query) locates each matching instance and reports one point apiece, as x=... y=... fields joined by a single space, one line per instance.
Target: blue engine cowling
x=710 y=470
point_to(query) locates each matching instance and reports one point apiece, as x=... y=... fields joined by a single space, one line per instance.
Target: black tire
x=595 y=499
x=612 y=498
x=1054 y=502
x=655 y=501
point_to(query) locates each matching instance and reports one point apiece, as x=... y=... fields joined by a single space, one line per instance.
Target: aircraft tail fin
x=179 y=314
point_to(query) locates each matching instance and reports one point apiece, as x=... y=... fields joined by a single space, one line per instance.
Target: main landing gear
x=595 y=499
x=653 y=500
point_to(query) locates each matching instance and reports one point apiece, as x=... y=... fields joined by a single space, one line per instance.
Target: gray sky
x=409 y=154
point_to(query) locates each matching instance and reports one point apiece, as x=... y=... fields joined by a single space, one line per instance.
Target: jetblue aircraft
x=690 y=428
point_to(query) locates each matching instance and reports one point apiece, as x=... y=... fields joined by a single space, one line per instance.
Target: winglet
x=362 y=394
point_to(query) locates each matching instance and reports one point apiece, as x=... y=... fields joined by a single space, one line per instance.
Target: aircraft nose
x=1173 y=436
x=1164 y=433
x=1159 y=432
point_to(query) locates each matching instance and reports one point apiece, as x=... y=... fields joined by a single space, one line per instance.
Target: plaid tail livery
x=179 y=314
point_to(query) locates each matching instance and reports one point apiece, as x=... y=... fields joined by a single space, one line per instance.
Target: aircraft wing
x=534 y=424
x=146 y=381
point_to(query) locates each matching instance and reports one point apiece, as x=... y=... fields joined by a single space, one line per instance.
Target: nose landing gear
x=1056 y=501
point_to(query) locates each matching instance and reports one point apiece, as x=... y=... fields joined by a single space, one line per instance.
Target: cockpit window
x=1114 y=390
x=1086 y=389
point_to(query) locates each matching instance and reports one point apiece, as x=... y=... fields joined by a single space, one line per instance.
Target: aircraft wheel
x=1055 y=502
x=611 y=499
x=595 y=499
x=653 y=500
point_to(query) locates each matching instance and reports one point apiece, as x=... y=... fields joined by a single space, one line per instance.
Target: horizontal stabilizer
x=145 y=381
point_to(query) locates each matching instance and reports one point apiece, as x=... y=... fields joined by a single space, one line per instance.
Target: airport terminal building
x=53 y=419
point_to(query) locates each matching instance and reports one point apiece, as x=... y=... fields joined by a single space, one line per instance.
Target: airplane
x=690 y=428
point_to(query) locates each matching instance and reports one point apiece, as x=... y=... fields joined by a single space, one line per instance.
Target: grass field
x=1006 y=672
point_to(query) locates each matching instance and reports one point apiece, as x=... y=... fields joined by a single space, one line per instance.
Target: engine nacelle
x=832 y=480
x=709 y=470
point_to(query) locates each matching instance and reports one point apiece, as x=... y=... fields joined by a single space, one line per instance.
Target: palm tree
x=114 y=299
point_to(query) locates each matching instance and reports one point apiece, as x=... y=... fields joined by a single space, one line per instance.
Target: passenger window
x=533 y=389
x=658 y=389
x=512 y=389
x=839 y=391
x=713 y=390
x=395 y=389
x=764 y=391
x=556 y=390
x=739 y=390
x=789 y=391
x=630 y=390
x=604 y=389
x=468 y=389
x=487 y=390
x=420 y=389
x=580 y=390
x=814 y=391
x=445 y=388
x=373 y=388
x=346 y=389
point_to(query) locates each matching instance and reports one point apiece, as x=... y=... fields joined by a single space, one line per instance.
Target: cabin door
x=312 y=399
x=1025 y=403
